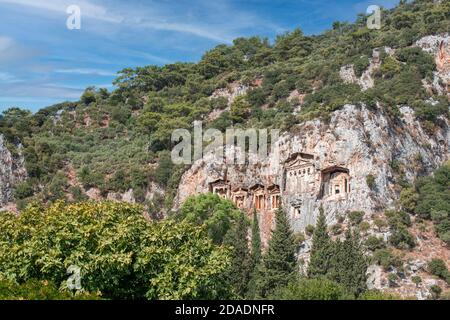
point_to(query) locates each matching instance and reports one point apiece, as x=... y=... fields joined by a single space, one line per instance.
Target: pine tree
x=349 y=264
x=279 y=264
x=353 y=267
x=256 y=241
x=321 y=251
x=359 y=266
x=241 y=265
x=255 y=258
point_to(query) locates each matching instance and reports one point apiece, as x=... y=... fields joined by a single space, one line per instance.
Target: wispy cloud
x=200 y=31
x=217 y=22
x=7 y=77
x=81 y=71
x=88 y=9
x=147 y=56
x=12 y=52
x=37 y=89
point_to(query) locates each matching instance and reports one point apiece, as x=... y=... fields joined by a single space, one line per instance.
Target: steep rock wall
x=439 y=47
x=362 y=142
x=12 y=171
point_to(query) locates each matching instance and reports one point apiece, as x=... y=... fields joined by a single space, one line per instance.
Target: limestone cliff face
x=12 y=171
x=326 y=164
x=365 y=81
x=351 y=163
x=439 y=47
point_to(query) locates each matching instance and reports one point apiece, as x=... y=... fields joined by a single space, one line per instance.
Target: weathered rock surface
x=439 y=47
x=365 y=81
x=360 y=141
x=231 y=92
x=12 y=171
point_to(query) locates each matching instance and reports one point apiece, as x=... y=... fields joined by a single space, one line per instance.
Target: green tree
x=349 y=266
x=408 y=199
x=256 y=241
x=216 y=213
x=255 y=258
x=241 y=264
x=39 y=290
x=438 y=268
x=119 y=252
x=378 y=295
x=312 y=289
x=279 y=265
x=240 y=109
x=320 y=259
x=88 y=96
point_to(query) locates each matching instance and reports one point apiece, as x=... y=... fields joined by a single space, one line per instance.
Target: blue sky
x=42 y=62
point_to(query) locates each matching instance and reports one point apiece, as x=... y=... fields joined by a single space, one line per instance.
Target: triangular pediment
x=298 y=162
x=299 y=159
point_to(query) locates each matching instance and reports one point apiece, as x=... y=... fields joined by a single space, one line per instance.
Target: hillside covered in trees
x=116 y=141
x=115 y=145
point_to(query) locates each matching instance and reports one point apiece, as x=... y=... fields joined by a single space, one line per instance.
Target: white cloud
x=37 y=89
x=87 y=71
x=217 y=22
x=150 y=57
x=196 y=30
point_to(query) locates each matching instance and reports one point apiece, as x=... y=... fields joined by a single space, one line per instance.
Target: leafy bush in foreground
x=39 y=290
x=120 y=254
x=312 y=289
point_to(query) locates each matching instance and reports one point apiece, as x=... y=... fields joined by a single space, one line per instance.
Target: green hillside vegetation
x=429 y=199
x=119 y=140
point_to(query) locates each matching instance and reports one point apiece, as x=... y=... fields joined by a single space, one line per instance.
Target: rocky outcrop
x=436 y=45
x=231 y=92
x=12 y=171
x=342 y=166
x=152 y=191
x=365 y=81
x=439 y=47
x=347 y=74
x=415 y=263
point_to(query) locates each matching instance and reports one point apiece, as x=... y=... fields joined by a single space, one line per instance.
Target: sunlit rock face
x=439 y=47
x=12 y=171
x=342 y=165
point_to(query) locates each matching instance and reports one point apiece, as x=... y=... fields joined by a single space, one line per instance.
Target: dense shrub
x=119 y=253
x=370 y=180
x=378 y=295
x=401 y=238
x=356 y=217
x=434 y=201
x=39 y=290
x=386 y=258
x=418 y=58
x=399 y=221
x=217 y=214
x=360 y=65
x=23 y=190
x=374 y=243
x=312 y=289
x=438 y=268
